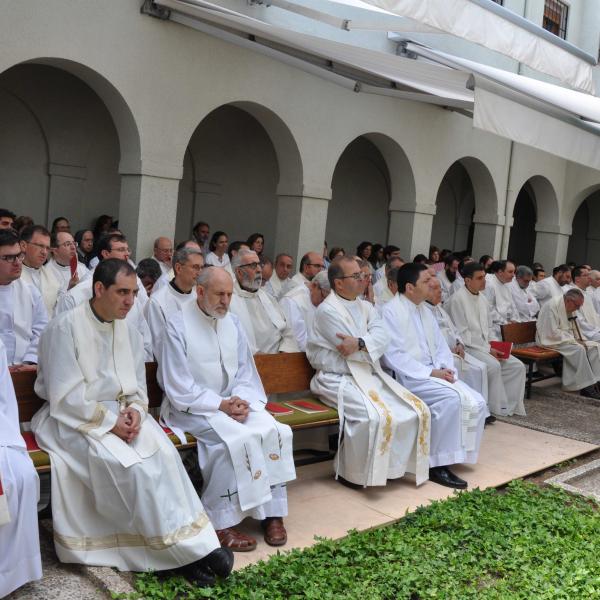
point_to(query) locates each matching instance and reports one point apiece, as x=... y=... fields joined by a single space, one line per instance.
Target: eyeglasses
x=355 y=276
x=68 y=245
x=12 y=258
x=40 y=246
x=252 y=265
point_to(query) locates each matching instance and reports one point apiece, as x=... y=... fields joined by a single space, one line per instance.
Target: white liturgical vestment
x=19 y=537
x=23 y=317
x=500 y=302
x=384 y=429
x=587 y=317
x=244 y=465
x=83 y=291
x=525 y=303
x=277 y=288
x=446 y=285
x=416 y=348
x=263 y=321
x=124 y=505
x=561 y=332
x=547 y=289
x=506 y=378
x=161 y=305
x=299 y=313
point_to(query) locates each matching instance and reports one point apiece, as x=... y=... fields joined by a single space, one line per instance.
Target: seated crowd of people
x=400 y=349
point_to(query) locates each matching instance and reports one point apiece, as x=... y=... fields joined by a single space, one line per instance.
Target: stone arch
x=584 y=241
x=240 y=158
x=372 y=177
x=82 y=138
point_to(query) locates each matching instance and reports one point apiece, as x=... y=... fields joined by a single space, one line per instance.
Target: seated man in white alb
x=459 y=282
x=469 y=311
x=386 y=286
x=300 y=303
x=163 y=253
x=558 y=329
x=552 y=287
x=447 y=276
x=470 y=370
x=56 y=273
x=594 y=289
x=187 y=264
x=19 y=491
x=310 y=264
x=499 y=296
x=260 y=315
x=280 y=282
x=120 y=494
x=524 y=301
x=35 y=243
x=420 y=359
x=23 y=315
x=384 y=429
x=212 y=390
x=168 y=276
x=588 y=319
x=112 y=246
x=389 y=252
x=391 y=279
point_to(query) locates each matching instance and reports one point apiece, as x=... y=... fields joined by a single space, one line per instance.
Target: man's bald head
x=595 y=278
x=214 y=291
x=311 y=264
x=163 y=250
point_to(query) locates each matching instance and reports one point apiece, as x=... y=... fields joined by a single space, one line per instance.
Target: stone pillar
x=148 y=209
x=65 y=193
x=410 y=230
x=487 y=235
x=551 y=246
x=301 y=223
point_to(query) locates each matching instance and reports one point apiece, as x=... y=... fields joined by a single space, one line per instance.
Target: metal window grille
x=556 y=15
x=500 y=2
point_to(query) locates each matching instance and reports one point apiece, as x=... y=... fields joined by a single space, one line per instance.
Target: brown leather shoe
x=275 y=533
x=235 y=540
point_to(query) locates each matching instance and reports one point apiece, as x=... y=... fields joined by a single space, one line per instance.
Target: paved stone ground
x=563 y=413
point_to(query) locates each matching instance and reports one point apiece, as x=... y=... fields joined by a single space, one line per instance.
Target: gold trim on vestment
x=130 y=540
x=95 y=421
x=387 y=427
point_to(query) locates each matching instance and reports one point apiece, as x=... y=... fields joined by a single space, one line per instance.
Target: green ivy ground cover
x=524 y=542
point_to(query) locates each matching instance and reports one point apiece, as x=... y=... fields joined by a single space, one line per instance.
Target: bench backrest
x=519 y=333
x=280 y=373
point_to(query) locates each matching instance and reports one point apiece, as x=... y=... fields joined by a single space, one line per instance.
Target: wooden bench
x=524 y=333
x=280 y=374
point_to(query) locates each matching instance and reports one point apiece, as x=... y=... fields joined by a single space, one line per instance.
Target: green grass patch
x=528 y=542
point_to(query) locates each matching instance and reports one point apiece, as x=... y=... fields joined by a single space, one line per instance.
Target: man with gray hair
x=383 y=289
x=280 y=281
x=300 y=303
x=187 y=266
x=558 y=329
x=261 y=317
x=524 y=301
x=214 y=392
x=163 y=253
x=594 y=289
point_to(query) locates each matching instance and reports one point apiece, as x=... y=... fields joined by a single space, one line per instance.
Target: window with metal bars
x=556 y=15
x=500 y=2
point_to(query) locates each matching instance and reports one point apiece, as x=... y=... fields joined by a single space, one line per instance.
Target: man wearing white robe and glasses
x=120 y=494
x=421 y=360
x=384 y=429
x=213 y=391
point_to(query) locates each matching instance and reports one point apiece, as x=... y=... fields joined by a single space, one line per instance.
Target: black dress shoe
x=199 y=574
x=444 y=476
x=590 y=392
x=349 y=484
x=491 y=419
x=219 y=561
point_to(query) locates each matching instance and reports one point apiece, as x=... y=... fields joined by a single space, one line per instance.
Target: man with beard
x=448 y=276
x=261 y=317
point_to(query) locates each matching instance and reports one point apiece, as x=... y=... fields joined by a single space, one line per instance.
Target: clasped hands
x=236 y=408
x=445 y=374
x=128 y=424
x=348 y=346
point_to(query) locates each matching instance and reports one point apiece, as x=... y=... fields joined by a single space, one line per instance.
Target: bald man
x=163 y=253
x=310 y=264
x=215 y=393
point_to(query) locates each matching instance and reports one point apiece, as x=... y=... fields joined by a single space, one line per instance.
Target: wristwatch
x=361 y=344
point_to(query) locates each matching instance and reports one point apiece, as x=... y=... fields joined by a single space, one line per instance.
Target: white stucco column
x=301 y=222
x=410 y=230
x=487 y=235
x=65 y=192
x=147 y=210
x=551 y=244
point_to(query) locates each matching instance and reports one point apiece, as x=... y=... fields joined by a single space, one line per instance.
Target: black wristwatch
x=361 y=344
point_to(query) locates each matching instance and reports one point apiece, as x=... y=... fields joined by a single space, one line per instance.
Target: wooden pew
x=280 y=374
x=524 y=333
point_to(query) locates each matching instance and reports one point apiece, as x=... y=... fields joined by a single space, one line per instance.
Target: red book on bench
x=277 y=409
x=504 y=347
x=306 y=406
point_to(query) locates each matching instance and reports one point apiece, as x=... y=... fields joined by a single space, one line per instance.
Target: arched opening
x=584 y=243
x=59 y=148
x=239 y=158
x=359 y=207
x=455 y=205
x=521 y=246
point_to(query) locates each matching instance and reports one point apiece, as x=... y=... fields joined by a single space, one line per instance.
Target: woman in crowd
x=434 y=255
x=256 y=243
x=60 y=224
x=376 y=258
x=217 y=257
x=85 y=246
x=364 y=251
x=336 y=252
